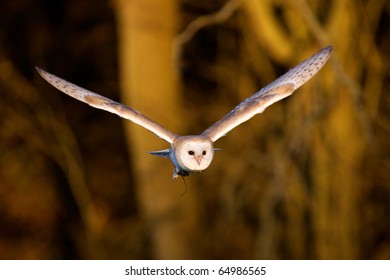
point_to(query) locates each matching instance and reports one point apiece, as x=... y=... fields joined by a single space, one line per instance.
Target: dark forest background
x=307 y=179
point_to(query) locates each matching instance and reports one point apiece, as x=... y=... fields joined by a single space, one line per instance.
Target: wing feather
x=101 y=102
x=275 y=91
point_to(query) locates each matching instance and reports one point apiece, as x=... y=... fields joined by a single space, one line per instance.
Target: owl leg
x=178 y=172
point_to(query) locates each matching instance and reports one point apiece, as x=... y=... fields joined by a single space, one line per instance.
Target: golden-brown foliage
x=307 y=179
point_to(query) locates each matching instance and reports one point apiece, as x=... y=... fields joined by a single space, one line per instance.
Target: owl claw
x=182 y=174
x=178 y=172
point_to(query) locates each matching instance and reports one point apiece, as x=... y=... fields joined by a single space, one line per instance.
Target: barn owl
x=194 y=153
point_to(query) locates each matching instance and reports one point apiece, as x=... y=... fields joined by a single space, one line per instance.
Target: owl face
x=194 y=153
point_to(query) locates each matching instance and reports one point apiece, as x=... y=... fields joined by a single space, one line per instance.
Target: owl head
x=193 y=152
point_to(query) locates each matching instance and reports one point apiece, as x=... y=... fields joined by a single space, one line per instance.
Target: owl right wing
x=101 y=102
x=275 y=91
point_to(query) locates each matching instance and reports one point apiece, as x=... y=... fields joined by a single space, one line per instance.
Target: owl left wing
x=275 y=91
x=97 y=101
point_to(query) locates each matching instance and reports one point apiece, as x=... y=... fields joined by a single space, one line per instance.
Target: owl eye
x=191 y=153
x=204 y=153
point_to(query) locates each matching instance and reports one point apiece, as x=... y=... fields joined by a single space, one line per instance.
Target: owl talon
x=182 y=173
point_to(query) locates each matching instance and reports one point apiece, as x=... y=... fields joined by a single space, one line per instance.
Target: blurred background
x=307 y=179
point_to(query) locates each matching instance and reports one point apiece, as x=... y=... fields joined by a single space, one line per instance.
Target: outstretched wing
x=275 y=91
x=100 y=102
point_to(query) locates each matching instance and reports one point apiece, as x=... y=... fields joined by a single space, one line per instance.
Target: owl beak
x=198 y=159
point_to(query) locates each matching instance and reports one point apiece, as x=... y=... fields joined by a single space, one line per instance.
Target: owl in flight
x=194 y=153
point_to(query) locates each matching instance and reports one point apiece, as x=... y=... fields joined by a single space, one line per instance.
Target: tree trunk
x=148 y=82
